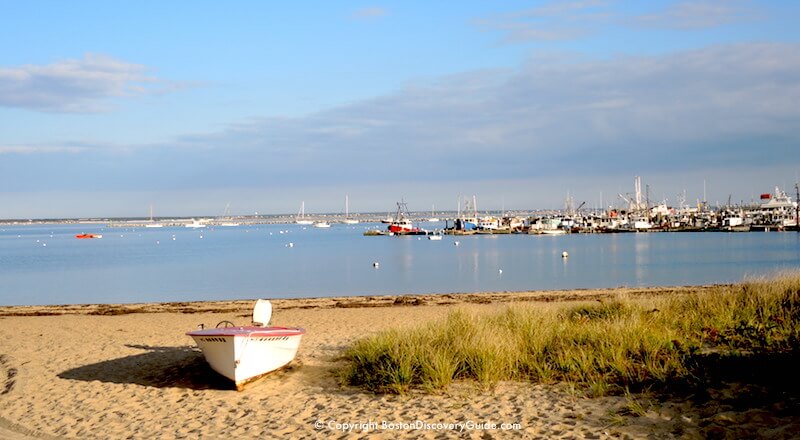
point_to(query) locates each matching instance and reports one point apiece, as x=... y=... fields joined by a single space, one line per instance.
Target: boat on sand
x=246 y=353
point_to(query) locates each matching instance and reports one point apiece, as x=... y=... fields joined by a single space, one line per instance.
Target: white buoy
x=201 y=236
x=500 y=271
x=456 y=243
x=376 y=265
x=291 y=244
x=564 y=254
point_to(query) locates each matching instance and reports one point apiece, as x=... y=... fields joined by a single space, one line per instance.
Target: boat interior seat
x=262 y=313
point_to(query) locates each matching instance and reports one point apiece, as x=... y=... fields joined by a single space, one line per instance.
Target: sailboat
x=152 y=223
x=433 y=215
x=301 y=217
x=227 y=215
x=347 y=220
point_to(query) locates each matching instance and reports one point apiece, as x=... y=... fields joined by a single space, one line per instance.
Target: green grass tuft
x=608 y=347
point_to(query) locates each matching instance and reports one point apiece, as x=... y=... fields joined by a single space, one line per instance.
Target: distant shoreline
x=350 y=302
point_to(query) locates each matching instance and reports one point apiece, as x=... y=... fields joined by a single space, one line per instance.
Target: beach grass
x=607 y=347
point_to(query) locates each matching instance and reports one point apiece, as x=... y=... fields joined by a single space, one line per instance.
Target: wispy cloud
x=77 y=85
x=555 y=21
x=369 y=13
x=696 y=14
x=32 y=149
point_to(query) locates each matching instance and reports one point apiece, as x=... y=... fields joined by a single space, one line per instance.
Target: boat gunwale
x=251 y=331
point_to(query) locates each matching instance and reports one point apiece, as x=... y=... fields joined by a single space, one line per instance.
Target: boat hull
x=243 y=354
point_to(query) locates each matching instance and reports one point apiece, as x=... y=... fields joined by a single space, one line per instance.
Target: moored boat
x=301 y=216
x=85 y=236
x=401 y=223
x=246 y=353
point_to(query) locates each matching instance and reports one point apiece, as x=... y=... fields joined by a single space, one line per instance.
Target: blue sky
x=107 y=108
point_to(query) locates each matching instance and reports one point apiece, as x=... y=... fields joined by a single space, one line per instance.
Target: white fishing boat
x=244 y=354
x=301 y=216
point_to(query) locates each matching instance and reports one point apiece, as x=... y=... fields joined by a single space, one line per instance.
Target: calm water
x=47 y=265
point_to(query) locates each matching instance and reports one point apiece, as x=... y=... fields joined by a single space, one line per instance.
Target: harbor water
x=46 y=264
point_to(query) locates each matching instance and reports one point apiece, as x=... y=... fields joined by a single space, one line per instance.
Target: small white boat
x=322 y=225
x=301 y=216
x=244 y=354
x=195 y=224
x=435 y=237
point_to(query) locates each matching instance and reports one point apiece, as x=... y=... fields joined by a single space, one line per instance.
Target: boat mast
x=797 y=206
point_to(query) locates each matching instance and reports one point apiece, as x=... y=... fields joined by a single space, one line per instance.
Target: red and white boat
x=246 y=353
x=401 y=223
x=85 y=236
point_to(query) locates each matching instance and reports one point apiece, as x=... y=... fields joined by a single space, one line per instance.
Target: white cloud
x=369 y=13
x=567 y=20
x=76 y=85
x=31 y=149
x=696 y=14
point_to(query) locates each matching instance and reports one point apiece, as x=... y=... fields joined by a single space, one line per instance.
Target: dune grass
x=607 y=347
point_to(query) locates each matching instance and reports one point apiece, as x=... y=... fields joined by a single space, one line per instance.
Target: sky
x=109 y=108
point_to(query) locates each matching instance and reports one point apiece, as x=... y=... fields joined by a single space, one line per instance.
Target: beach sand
x=129 y=371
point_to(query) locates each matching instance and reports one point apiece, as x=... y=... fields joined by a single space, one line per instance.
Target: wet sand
x=129 y=371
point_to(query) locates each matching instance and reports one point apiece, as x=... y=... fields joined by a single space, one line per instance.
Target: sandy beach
x=129 y=371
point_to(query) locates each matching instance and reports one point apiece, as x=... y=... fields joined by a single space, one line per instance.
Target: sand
x=129 y=371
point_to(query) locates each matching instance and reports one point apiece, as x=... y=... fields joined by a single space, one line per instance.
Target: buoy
x=500 y=271
x=376 y=265
x=456 y=243
x=564 y=254
x=291 y=244
x=201 y=236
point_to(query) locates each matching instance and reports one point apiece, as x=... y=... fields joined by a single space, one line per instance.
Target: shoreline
x=129 y=371
x=359 y=301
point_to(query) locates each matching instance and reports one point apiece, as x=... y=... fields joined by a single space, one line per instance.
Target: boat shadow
x=159 y=367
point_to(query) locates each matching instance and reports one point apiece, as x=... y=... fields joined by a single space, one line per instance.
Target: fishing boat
x=85 y=236
x=246 y=353
x=401 y=223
